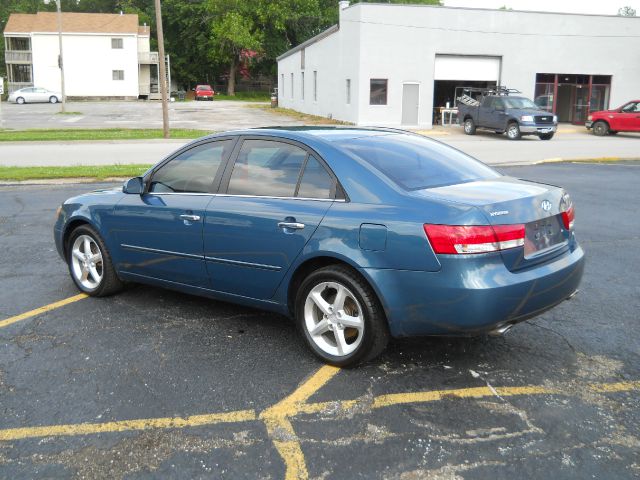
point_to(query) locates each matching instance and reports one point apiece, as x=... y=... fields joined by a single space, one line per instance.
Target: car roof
x=327 y=133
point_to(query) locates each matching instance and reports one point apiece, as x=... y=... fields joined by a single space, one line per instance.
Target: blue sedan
x=357 y=234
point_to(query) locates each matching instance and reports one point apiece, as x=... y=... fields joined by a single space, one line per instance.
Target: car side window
x=192 y=171
x=631 y=108
x=266 y=168
x=498 y=104
x=316 y=181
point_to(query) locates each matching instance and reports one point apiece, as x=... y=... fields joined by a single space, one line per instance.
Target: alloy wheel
x=86 y=262
x=334 y=319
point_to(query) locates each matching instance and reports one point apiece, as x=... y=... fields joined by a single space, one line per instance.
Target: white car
x=33 y=95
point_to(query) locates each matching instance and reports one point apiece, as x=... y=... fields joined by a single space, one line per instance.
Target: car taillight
x=463 y=239
x=568 y=218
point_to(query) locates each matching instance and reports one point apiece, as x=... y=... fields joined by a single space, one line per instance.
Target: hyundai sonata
x=357 y=234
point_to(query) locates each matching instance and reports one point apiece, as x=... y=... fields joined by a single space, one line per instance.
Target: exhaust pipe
x=573 y=294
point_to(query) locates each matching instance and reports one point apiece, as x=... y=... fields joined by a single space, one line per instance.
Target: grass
x=97 y=172
x=95 y=134
x=303 y=117
x=246 y=96
x=69 y=113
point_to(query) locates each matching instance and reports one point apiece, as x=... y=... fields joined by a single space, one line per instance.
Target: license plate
x=542 y=234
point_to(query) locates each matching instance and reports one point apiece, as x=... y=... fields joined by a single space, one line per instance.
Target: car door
x=41 y=95
x=28 y=94
x=628 y=119
x=160 y=231
x=275 y=195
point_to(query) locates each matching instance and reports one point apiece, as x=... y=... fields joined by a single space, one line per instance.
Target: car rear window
x=414 y=162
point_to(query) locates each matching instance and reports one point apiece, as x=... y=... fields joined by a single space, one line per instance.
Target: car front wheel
x=53 y=99
x=545 y=136
x=90 y=263
x=340 y=317
x=513 y=131
x=600 y=129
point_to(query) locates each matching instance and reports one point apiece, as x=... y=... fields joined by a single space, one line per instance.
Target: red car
x=623 y=119
x=203 y=92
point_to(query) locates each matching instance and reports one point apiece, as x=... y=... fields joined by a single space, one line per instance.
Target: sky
x=601 y=7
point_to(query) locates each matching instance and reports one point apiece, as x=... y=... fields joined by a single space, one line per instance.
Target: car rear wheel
x=513 y=131
x=340 y=317
x=545 y=136
x=90 y=263
x=469 y=126
x=600 y=129
x=53 y=99
x=20 y=101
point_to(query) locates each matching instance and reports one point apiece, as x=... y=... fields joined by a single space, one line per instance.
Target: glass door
x=580 y=104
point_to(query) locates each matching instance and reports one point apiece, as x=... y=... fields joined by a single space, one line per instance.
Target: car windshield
x=414 y=162
x=520 y=102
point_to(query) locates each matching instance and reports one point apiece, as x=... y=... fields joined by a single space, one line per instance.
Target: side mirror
x=134 y=186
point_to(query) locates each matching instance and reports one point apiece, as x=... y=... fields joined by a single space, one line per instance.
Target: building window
x=116 y=43
x=378 y=91
x=302 y=59
x=348 y=91
x=292 y=86
x=118 y=74
x=315 y=86
x=302 y=85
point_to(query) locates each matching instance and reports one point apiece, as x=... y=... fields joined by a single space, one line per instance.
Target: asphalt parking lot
x=218 y=115
x=157 y=384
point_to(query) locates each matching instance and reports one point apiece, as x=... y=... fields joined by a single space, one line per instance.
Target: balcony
x=17 y=56
x=148 y=58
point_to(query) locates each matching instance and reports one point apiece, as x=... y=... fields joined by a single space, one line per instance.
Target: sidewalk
x=571 y=143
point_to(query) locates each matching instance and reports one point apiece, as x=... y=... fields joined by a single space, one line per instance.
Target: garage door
x=467 y=67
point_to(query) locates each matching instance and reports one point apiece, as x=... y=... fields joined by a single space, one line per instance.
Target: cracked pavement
x=151 y=353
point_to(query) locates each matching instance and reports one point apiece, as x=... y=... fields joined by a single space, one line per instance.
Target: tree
x=626 y=12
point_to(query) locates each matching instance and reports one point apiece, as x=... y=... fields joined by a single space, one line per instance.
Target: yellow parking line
x=280 y=429
x=47 y=308
x=125 y=425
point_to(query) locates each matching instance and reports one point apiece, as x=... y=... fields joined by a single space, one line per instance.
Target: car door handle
x=292 y=225
x=190 y=218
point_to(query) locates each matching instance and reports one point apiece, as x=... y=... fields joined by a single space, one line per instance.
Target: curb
x=567 y=160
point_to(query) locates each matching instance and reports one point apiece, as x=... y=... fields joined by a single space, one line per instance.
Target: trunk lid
x=508 y=201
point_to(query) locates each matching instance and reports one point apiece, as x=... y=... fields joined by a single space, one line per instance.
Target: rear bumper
x=473 y=294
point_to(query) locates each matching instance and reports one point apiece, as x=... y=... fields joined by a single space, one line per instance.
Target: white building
x=105 y=55
x=397 y=65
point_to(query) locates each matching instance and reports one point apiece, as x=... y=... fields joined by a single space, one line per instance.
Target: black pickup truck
x=516 y=116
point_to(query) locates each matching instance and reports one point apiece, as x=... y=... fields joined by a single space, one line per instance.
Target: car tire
x=545 y=136
x=469 y=126
x=20 y=101
x=600 y=128
x=333 y=295
x=53 y=99
x=90 y=263
x=513 y=131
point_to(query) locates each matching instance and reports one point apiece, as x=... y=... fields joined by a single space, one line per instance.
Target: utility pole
x=163 y=71
x=60 y=58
